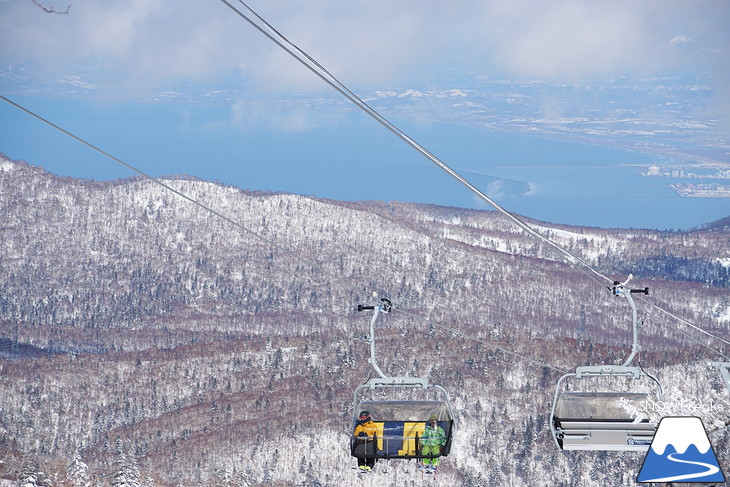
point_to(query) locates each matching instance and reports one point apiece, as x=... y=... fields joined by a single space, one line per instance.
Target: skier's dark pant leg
x=363 y=450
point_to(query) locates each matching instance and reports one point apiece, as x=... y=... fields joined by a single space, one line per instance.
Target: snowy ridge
x=217 y=359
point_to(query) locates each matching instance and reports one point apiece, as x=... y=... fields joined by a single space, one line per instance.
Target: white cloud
x=129 y=43
x=288 y=116
x=572 y=39
x=137 y=44
x=497 y=190
x=77 y=82
x=680 y=39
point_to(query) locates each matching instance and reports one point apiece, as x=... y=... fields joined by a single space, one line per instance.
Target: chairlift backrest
x=602 y=406
x=610 y=421
x=404 y=410
x=400 y=426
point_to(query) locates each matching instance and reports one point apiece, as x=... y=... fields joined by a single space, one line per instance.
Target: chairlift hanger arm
x=385 y=307
x=619 y=289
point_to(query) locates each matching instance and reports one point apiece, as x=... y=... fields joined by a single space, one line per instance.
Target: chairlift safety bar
x=607 y=371
x=414 y=382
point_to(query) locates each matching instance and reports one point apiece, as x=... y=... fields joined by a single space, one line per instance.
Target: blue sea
x=560 y=181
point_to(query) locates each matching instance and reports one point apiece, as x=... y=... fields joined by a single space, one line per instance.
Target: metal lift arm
x=385 y=381
x=619 y=289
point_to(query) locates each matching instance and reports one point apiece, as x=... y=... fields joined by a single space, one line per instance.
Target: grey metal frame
x=608 y=432
x=384 y=382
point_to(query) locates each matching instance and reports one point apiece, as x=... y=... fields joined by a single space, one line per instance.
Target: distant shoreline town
x=690 y=190
x=694 y=190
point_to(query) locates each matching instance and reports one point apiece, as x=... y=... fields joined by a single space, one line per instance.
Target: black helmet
x=364 y=413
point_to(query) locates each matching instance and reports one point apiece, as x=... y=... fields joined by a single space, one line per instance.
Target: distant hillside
x=145 y=333
x=721 y=225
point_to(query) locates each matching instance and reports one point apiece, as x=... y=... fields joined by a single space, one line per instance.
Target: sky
x=536 y=101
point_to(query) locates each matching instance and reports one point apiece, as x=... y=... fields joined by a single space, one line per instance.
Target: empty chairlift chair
x=612 y=421
x=606 y=420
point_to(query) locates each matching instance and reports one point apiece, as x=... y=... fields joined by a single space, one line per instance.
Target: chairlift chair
x=400 y=426
x=400 y=423
x=606 y=420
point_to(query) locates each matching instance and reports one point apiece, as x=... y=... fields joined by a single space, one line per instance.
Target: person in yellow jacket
x=364 y=442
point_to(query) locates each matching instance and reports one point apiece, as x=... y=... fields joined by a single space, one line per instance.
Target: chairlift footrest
x=414 y=382
x=608 y=371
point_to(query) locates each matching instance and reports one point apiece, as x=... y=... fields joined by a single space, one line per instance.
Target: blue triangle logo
x=680 y=452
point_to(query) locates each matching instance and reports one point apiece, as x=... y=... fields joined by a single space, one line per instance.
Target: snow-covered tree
x=28 y=476
x=77 y=474
x=126 y=472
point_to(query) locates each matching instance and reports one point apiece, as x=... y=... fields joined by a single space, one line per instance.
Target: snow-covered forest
x=146 y=342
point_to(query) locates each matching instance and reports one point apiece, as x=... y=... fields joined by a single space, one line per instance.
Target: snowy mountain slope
x=219 y=357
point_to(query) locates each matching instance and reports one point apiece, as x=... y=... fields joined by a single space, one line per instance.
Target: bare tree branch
x=51 y=10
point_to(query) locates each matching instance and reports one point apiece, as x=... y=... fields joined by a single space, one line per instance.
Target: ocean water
x=558 y=181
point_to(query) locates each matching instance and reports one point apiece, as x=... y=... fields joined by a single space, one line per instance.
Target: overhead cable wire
x=247 y=230
x=230 y=220
x=260 y=24
x=682 y=320
x=265 y=28
x=690 y=337
x=321 y=72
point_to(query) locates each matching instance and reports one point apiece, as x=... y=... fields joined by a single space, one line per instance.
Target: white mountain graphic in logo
x=680 y=451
